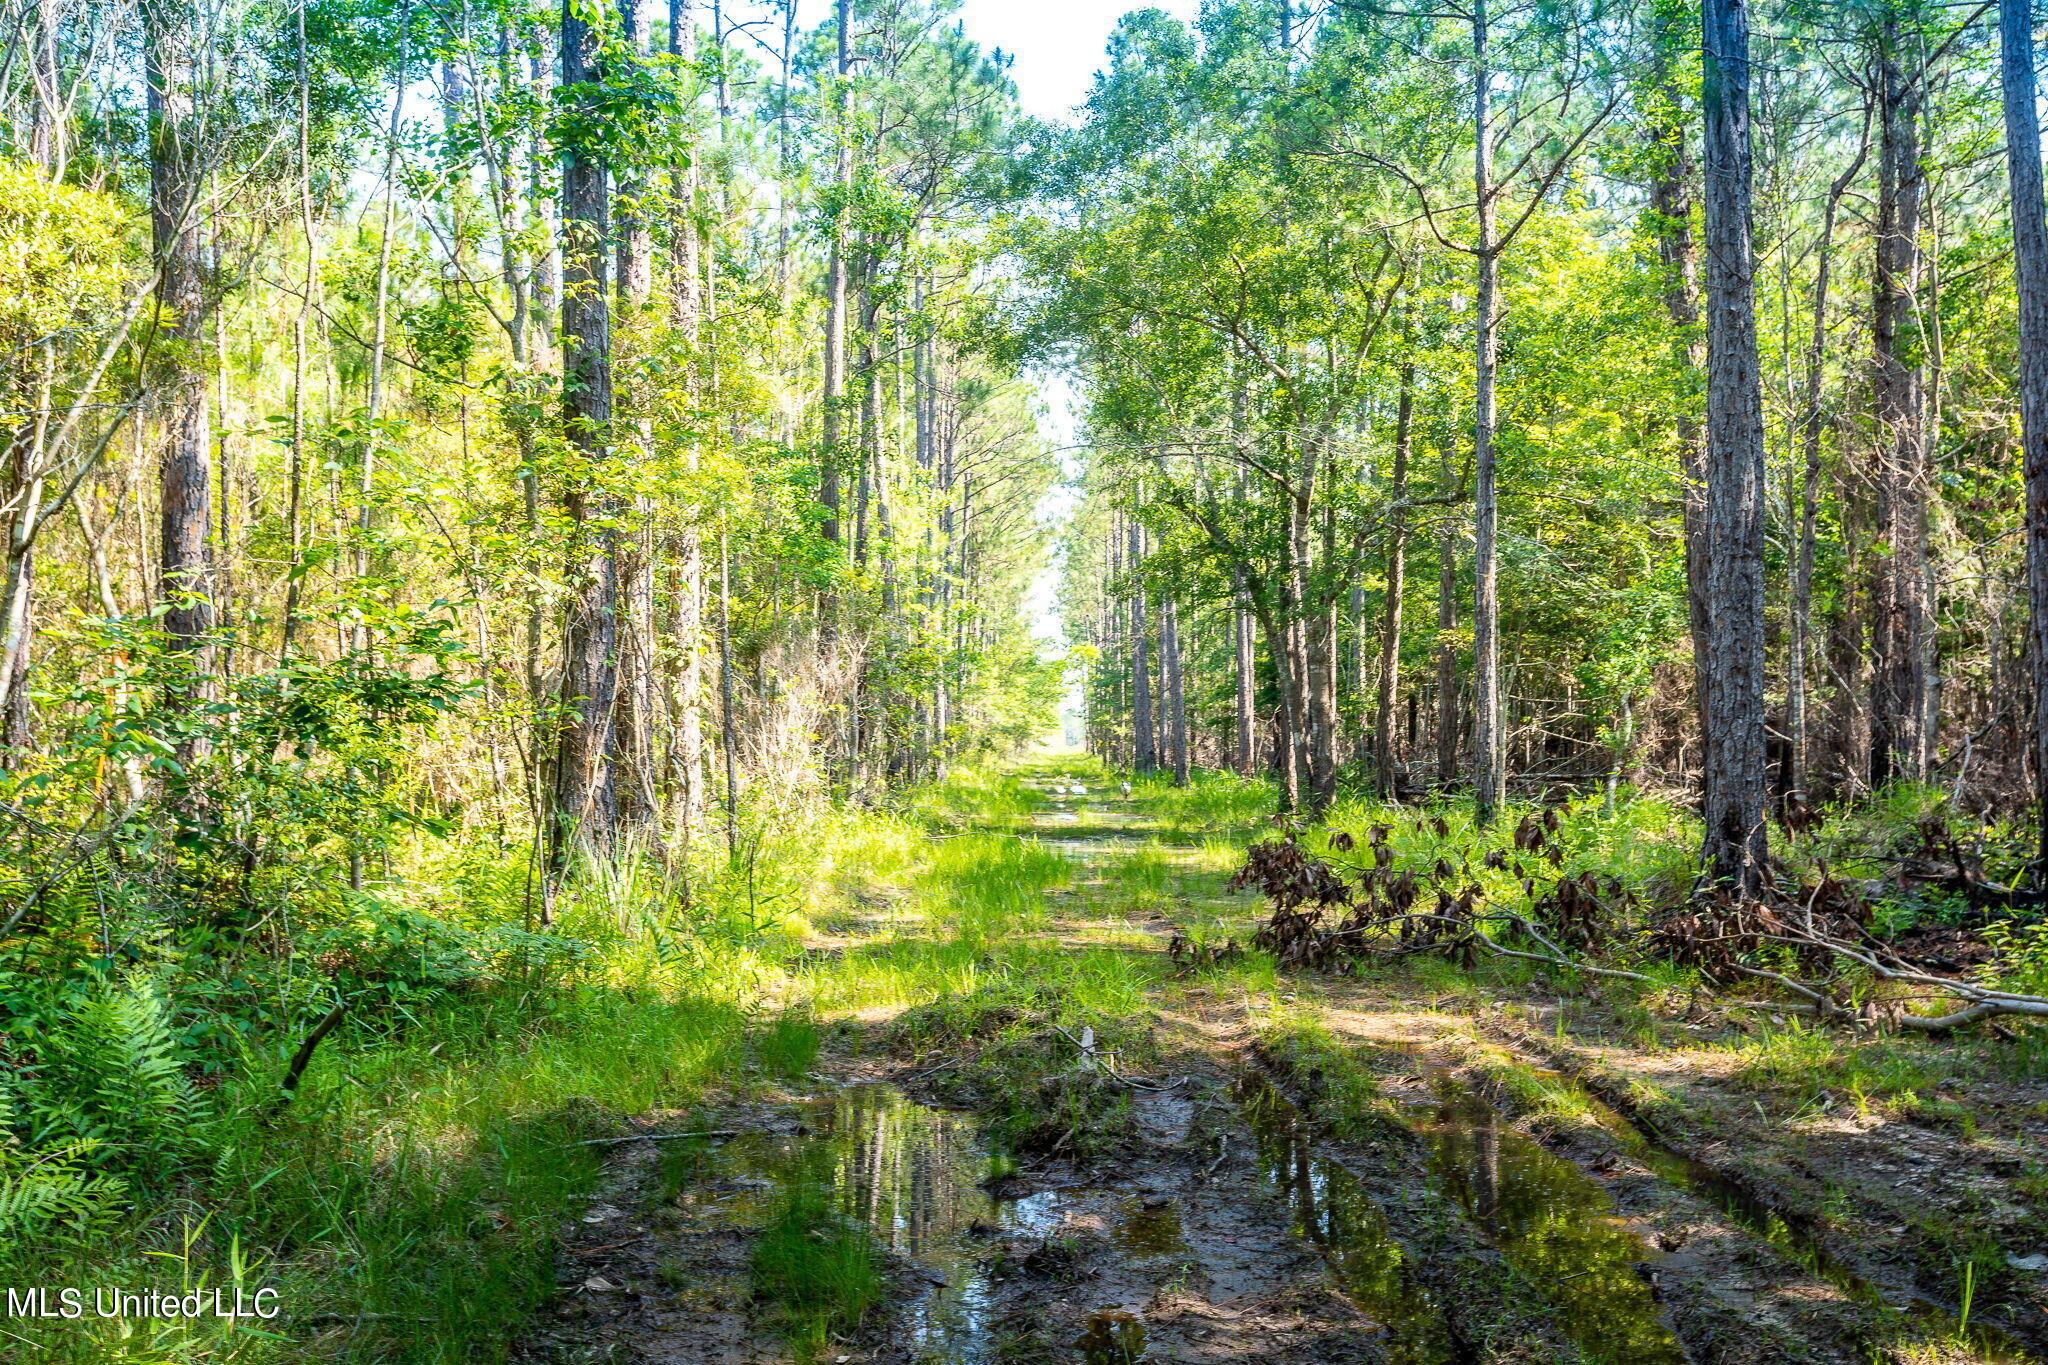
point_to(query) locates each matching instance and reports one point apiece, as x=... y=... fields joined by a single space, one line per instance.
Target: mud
x=1858 y=1207
x=1227 y=1224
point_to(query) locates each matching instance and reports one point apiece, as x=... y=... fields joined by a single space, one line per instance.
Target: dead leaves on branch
x=1394 y=909
x=1815 y=944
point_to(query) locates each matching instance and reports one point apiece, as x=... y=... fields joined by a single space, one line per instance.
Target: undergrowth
x=818 y=1270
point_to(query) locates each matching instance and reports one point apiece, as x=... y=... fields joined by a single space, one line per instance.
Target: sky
x=1057 y=44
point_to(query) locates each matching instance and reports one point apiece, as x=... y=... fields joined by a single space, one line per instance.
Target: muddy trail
x=1198 y=1185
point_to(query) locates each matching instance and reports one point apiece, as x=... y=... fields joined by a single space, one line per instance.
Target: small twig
x=630 y=1241
x=1096 y=1057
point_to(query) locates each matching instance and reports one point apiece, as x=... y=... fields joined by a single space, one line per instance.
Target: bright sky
x=1057 y=44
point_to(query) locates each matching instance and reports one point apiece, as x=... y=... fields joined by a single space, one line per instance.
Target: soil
x=1751 y=1216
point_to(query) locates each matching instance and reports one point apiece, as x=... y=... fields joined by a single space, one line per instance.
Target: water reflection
x=1112 y=1339
x=912 y=1175
x=1332 y=1209
x=1554 y=1223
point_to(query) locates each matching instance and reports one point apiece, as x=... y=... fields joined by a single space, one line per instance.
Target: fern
x=109 y=1074
x=48 y=1188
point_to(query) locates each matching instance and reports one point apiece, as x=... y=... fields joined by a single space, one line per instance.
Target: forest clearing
x=1268 y=680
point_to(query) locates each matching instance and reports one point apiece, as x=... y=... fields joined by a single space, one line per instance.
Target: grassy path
x=1126 y=1138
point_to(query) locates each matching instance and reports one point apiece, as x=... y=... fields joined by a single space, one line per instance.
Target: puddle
x=1332 y=1209
x=1112 y=1338
x=913 y=1175
x=1923 y=1316
x=1551 y=1221
x=910 y=1173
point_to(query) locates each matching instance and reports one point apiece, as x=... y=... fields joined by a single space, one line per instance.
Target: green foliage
x=108 y=1076
x=818 y=1268
x=55 y=1196
x=2022 y=962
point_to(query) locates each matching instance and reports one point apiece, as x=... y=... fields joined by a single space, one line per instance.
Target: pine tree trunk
x=186 y=465
x=2030 y=262
x=1320 y=636
x=586 y=807
x=1489 y=757
x=1899 y=603
x=685 y=312
x=1811 y=422
x=835 y=288
x=1384 y=746
x=1735 y=850
x=1245 y=714
x=1671 y=200
x=1446 y=651
x=1144 y=739
x=1176 y=691
x=637 y=732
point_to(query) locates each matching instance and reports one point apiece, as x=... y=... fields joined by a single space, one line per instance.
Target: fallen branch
x=1980 y=1002
x=1090 y=1057
x=296 y=1068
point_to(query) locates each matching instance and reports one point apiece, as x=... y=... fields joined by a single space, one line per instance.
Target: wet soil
x=1674 y=1215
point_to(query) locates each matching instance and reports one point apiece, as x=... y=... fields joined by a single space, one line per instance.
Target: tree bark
x=1898 y=746
x=637 y=731
x=1446 y=650
x=1489 y=757
x=835 y=287
x=1671 y=200
x=1171 y=662
x=1244 y=706
x=2030 y=262
x=1384 y=745
x=1144 y=739
x=1736 y=851
x=186 y=464
x=1811 y=422
x=685 y=313
x=586 y=809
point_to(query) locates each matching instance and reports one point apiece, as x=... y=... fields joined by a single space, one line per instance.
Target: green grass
x=1529 y=1091
x=1327 y=1077
x=1894 y=1077
x=987 y=798
x=984 y=886
x=819 y=1271
x=1212 y=803
x=406 y=1208
x=407 y=1205
x=788 y=1048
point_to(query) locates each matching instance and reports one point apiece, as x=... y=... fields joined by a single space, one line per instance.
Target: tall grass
x=987 y=885
x=820 y=1271
x=1212 y=803
x=405 y=1207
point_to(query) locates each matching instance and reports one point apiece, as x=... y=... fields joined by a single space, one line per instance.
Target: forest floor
x=1048 y=1110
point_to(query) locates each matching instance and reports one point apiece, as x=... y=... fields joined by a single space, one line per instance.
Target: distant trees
x=1812 y=511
